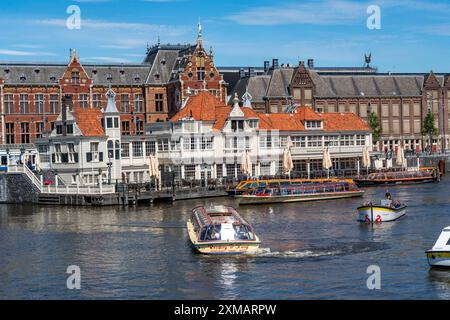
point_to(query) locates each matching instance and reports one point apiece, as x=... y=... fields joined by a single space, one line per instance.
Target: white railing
x=24 y=169
x=61 y=187
x=74 y=189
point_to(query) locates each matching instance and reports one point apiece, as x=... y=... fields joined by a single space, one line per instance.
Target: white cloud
x=19 y=53
x=111 y=25
x=106 y=59
x=328 y=12
x=325 y=12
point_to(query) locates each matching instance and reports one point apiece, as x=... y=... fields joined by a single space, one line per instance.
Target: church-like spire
x=200 y=33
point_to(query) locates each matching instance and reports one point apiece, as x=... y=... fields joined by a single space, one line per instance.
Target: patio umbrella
x=249 y=164
x=400 y=161
x=288 y=165
x=245 y=164
x=326 y=161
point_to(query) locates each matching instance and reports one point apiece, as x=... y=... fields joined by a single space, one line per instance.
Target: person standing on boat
x=388 y=195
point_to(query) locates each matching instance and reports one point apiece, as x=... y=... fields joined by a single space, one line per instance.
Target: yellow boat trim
x=438 y=255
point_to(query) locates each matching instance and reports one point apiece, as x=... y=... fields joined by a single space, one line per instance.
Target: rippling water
x=311 y=250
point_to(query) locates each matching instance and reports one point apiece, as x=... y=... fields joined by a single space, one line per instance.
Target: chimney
x=266 y=66
x=241 y=73
x=275 y=63
x=311 y=63
x=251 y=72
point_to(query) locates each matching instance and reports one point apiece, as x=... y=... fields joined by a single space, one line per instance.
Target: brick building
x=401 y=101
x=30 y=94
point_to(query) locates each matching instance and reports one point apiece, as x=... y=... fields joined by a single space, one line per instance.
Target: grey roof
x=31 y=74
x=368 y=86
x=162 y=67
x=49 y=74
x=118 y=75
x=256 y=86
x=279 y=82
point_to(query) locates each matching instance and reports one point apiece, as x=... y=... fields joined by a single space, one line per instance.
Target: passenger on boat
x=215 y=235
x=388 y=195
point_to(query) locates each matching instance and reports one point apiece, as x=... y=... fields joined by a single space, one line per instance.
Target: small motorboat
x=386 y=211
x=221 y=230
x=439 y=255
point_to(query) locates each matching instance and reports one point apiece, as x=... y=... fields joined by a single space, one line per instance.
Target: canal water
x=311 y=250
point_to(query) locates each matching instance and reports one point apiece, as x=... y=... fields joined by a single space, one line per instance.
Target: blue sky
x=414 y=34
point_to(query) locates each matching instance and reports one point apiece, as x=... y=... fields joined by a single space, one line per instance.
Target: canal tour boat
x=221 y=230
x=244 y=186
x=425 y=175
x=306 y=192
x=386 y=211
x=439 y=255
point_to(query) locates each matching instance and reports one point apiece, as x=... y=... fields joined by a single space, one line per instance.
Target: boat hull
x=438 y=258
x=252 y=199
x=380 y=214
x=366 y=183
x=221 y=247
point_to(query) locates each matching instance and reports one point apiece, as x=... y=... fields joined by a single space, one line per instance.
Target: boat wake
x=345 y=249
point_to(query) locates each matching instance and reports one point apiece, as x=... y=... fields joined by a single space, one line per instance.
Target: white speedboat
x=439 y=255
x=386 y=211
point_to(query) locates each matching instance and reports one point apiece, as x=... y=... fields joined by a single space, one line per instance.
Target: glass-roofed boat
x=221 y=230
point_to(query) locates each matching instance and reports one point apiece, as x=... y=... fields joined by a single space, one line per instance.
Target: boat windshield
x=227 y=232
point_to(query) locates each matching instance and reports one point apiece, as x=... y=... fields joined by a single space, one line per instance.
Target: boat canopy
x=217 y=215
x=443 y=243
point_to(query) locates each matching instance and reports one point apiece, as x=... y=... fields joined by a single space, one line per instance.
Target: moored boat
x=306 y=192
x=386 y=211
x=221 y=230
x=439 y=255
x=248 y=185
x=399 y=177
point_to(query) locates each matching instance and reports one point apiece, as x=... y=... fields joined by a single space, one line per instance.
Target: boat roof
x=443 y=243
x=217 y=215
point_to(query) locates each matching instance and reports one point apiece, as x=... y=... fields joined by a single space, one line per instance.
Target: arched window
x=117 y=150
x=110 y=149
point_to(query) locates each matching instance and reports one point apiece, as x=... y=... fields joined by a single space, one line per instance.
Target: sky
x=413 y=35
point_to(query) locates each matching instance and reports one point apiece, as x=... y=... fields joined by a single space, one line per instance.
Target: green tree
x=429 y=129
x=374 y=124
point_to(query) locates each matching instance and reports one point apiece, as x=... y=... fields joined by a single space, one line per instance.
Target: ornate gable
x=431 y=82
x=75 y=75
x=200 y=73
x=301 y=77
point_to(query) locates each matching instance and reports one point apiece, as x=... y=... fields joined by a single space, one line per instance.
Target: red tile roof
x=206 y=107
x=89 y=121
x=347 y=121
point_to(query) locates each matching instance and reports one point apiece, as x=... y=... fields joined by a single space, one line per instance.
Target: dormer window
x=109 y=77
x=52 y=78
x=313 y=124
x=157 y=76
x=122 y=71
x=23 y=77
x=7 y=70
x=237 y=125
x=37 y=71
x=137 y=78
